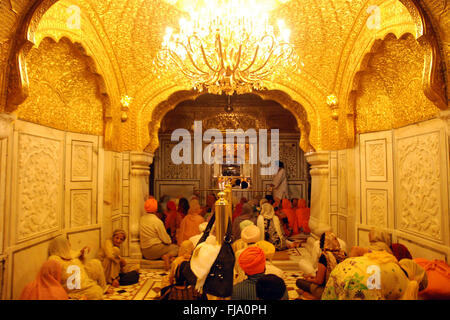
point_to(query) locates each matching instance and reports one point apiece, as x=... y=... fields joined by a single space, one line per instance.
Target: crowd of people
x=175 y=230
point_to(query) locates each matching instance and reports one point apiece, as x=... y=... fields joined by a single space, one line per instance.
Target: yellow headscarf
x=417 y=277
x=60 y=247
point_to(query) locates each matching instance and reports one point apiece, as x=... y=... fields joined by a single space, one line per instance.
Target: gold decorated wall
x=63 y=91
x=333 y=39
x=390 y=93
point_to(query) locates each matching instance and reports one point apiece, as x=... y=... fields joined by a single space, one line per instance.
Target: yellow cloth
x=109 y=255
x=89 y=288
x=356 y=278
x=92 y=277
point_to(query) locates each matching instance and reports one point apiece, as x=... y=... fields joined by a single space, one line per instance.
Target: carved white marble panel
x=377 y=207
x=342 y=227
x=342 y=181
x=81 y=161
x=376 y=160
x=377 y=178
x=81 y=208
x=423 y=250
x=169 y=169
x=90 y=238
x=39 y=183
x=363 y=238
x=117 y=182
x=289 y=155
x=25 y=265
x=418 y=191
x=81 y=180
x=116 y=223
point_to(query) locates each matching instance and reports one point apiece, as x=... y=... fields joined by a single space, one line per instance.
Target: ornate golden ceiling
x=333 y=37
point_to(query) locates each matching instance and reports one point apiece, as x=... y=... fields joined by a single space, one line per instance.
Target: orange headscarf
x=292 y=218
x=238 y=210
x=47 y=284
x=252 y=260
x=190 y=223
x=171 y=215
x=303 y=214
x=151 y=205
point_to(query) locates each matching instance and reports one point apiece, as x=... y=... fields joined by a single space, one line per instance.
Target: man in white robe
x=279 y=183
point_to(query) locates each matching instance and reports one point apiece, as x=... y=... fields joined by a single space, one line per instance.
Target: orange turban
x=151 y=205
x=252 y=260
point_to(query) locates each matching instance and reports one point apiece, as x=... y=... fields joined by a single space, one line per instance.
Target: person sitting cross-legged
x=155 y=242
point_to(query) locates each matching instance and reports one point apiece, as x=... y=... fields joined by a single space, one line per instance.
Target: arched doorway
x=224 y=113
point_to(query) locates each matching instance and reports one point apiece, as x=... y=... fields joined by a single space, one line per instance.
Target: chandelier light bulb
x=228 y=47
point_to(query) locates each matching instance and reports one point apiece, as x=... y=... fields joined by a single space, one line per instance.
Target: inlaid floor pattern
x=149 y=285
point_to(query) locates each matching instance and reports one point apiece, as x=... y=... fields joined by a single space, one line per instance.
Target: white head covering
x=60 y=247
x=267 y=211
x=202 y=260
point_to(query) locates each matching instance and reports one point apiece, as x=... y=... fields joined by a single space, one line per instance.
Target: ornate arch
x=281 y=97
x=18 y=83
x=420 y=28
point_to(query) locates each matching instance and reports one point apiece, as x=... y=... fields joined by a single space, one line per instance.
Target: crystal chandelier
x=228 y=46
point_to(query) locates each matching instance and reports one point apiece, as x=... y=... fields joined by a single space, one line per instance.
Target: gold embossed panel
x=391 y=94
x=63 y=91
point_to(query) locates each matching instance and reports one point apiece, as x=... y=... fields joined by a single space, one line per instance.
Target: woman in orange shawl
x=303 y=213
x=291 y=226
x=47 y=284
x=170 y=223
x=189 y=224
x=238 y=210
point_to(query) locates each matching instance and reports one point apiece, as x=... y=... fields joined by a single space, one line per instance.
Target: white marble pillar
x=139 y=188
x=320 y=190
x=6 y=121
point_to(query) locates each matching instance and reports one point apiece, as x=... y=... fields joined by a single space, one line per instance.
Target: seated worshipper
x=303 y=213
x=47 y=285
x=189 y=226
x=379 y=241
x=162 y=205
x=270 y=228
x=182 y=211
x=238 y=209
x=201 y=228
x=155 y=242
x=289 y=218
x=247 y=214
x=249 y=236
x=184 y=254
x=438 y=279
x=91 y=283
x=253 y=261
x=271 y=287
x=269 y=251
x=170 y=221
x=375 y=276
x=331 y=256
x=210 y=206
x=117 y=271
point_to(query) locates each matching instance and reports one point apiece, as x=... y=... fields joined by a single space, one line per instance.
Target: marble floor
x=152 y=272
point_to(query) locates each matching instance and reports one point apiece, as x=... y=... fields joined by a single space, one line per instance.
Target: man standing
x=279 y=183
